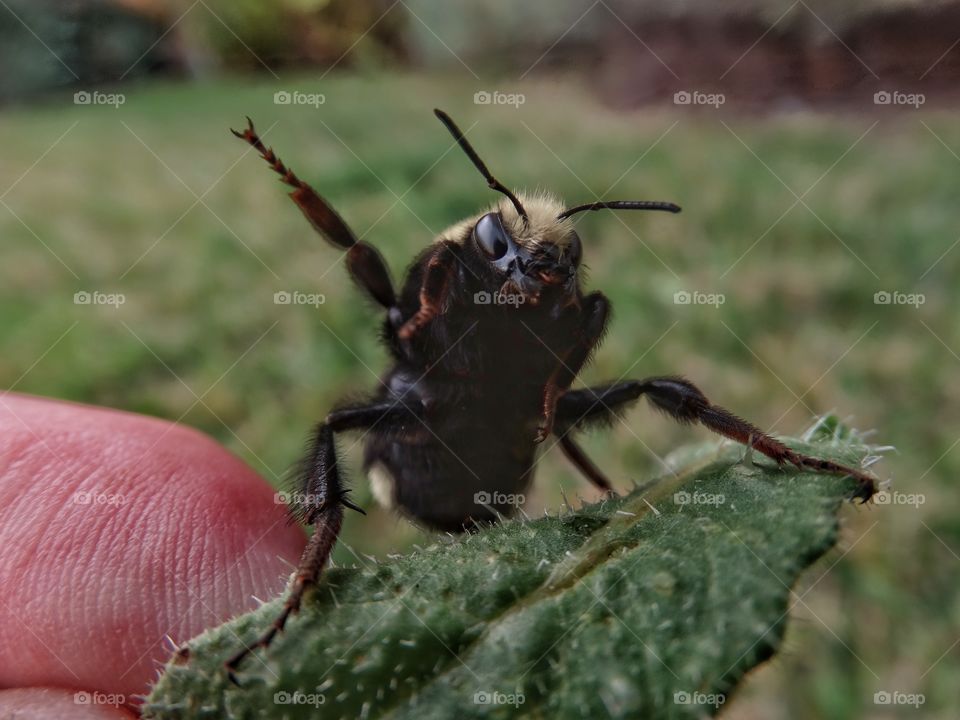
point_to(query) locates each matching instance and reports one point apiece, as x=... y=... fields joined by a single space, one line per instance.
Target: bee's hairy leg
x=576 y=455
x=596 y=313
x=365 y=264
x=434 y=288
x=684 y=402
x=320 y=499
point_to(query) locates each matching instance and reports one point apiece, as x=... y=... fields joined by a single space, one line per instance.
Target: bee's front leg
x=434 y=289
x=594 y=317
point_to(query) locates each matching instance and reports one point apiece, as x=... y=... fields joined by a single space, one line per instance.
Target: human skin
x=117 y=530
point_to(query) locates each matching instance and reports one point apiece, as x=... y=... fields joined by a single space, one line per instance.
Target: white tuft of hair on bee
x=382 y=485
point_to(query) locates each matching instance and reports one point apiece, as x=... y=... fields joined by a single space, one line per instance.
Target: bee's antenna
x=472 y=154
x=621 y=205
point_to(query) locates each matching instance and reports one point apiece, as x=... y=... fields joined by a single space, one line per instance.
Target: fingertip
x=121 y=529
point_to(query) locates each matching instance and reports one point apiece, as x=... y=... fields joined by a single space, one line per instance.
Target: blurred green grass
x=112 y=207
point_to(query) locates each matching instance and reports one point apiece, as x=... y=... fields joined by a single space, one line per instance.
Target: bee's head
x=530 y=253
x=530 y=241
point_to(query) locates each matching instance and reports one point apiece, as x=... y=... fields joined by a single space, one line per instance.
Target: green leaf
x=626 y=608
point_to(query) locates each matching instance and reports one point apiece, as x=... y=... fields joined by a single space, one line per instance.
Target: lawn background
x=111 y=206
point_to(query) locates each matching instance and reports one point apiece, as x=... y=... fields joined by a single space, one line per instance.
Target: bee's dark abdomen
x=429 y=484
x=468 y=461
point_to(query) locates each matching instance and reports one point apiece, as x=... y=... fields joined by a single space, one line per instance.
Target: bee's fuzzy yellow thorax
x=541 y=227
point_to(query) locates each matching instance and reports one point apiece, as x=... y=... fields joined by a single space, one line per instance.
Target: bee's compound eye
x=491 y=237
x=574 y=250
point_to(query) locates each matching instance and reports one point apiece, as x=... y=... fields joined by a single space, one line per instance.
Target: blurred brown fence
x=755 y=53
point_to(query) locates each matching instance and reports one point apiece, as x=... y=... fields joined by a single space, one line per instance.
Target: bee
x=487 y=335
